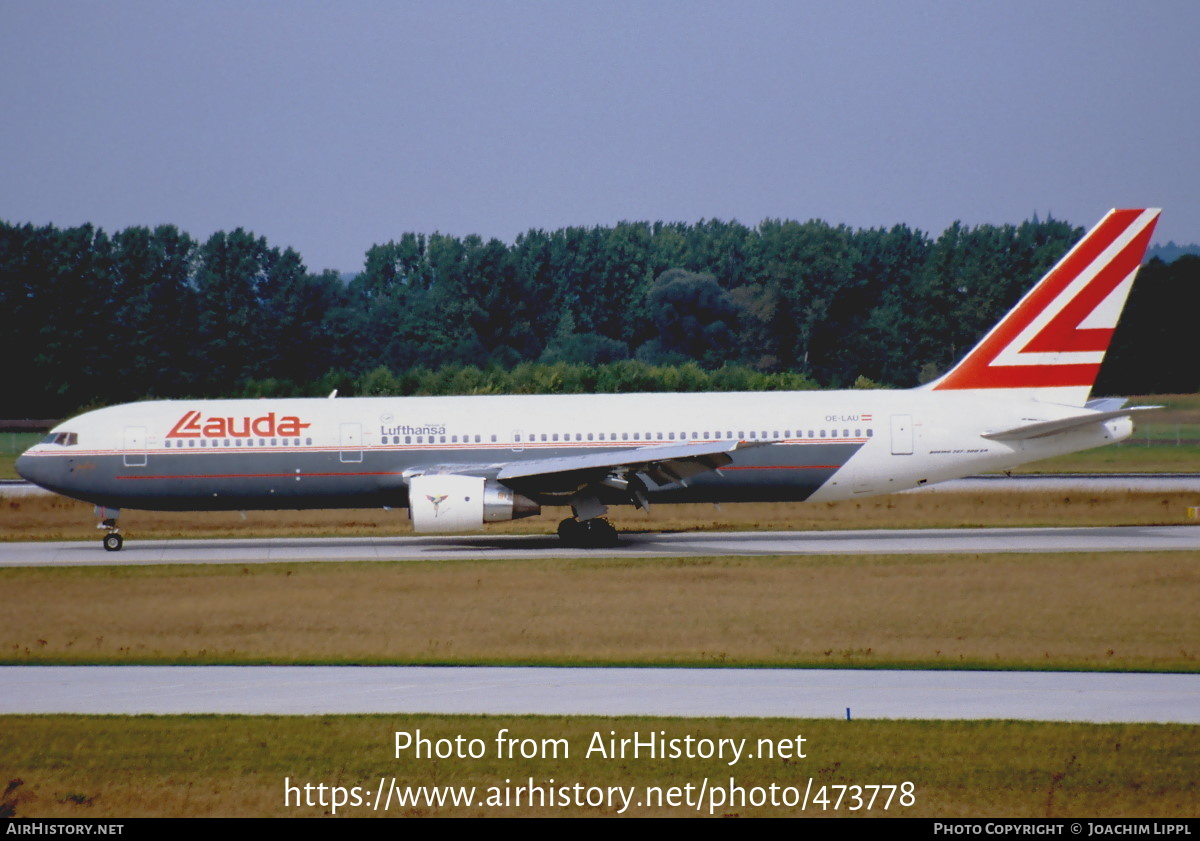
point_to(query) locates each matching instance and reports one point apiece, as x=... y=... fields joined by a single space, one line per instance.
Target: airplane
x=458 y=463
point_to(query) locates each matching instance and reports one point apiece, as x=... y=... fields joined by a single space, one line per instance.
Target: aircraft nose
x=27 y=467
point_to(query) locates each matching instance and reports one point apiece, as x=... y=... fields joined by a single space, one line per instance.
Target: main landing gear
x=113 y=540
x=596 y=533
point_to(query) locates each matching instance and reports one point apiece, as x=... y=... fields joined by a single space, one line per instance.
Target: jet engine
x=453 y=502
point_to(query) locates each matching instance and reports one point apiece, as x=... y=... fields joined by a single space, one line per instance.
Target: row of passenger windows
x=550 y=437
x=533 y=438
x=238 y=442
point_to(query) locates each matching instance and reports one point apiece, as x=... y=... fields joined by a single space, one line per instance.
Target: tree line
x=91 y=318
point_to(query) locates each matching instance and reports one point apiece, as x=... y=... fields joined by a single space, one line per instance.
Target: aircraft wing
x=663 y=463
x=1041 y=429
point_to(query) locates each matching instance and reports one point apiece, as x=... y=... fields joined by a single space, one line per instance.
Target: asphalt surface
x=770 y=693
x=632 y=545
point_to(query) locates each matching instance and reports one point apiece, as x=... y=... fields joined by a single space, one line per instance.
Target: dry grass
x=92 y=766
x=1106 y=611
x=58 y=518
x=1133 y=456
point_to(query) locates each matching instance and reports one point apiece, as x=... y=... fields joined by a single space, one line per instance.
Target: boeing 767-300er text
x=459 y=462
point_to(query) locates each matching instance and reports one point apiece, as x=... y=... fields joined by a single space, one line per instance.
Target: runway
x=632 y=545
x=755 y=693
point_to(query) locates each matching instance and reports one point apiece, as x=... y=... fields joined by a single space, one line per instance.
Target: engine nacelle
x=440 y=502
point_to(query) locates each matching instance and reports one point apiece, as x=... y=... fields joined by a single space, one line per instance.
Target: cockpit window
x=63 y=439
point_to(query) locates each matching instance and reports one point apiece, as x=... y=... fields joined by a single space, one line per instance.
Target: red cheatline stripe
x=397 y=473
x=263 y=475
x=784 y=467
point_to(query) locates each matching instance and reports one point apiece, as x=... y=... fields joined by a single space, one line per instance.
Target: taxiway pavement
x=632 y=545
x=771 y=693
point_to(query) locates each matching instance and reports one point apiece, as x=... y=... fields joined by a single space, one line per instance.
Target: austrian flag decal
x=1058 y=333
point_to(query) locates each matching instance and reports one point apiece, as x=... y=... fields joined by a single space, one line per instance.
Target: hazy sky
x=328 y=127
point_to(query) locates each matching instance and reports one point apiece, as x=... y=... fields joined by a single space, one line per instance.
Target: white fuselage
x=355 y=452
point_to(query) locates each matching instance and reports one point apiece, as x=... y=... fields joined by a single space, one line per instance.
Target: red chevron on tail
x=1056 y=336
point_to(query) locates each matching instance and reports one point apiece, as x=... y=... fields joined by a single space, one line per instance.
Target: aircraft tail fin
x=1054 y=339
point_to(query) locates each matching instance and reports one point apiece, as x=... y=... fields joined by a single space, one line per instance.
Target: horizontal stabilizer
x=1041 y=429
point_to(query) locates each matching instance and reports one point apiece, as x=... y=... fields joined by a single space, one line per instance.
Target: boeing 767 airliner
x=458 y=463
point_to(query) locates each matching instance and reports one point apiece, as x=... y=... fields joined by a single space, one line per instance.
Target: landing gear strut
x=596 y=533
x=113 y=540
